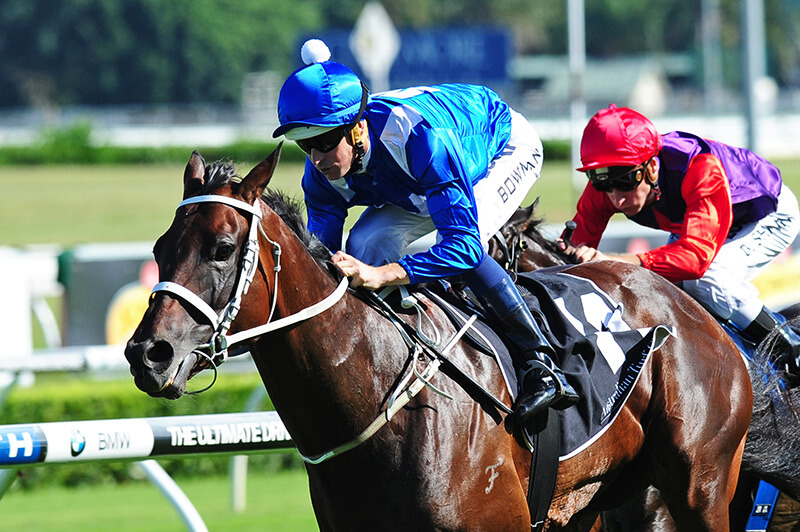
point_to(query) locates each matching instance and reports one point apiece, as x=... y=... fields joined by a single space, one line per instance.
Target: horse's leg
x=700 y=440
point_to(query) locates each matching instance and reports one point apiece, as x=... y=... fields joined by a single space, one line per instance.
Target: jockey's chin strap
x=216 y=350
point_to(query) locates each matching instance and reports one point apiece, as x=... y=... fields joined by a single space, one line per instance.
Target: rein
x=399 y=400
x=216 y=350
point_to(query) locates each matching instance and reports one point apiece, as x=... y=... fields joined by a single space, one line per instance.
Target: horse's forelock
x=218 y=174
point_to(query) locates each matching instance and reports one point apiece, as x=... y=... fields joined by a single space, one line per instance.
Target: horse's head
x=520 y=247
x=204 y=261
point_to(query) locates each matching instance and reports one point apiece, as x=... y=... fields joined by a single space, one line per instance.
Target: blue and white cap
x=320 y=96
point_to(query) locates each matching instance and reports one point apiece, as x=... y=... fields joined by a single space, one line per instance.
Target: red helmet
x=618 y=137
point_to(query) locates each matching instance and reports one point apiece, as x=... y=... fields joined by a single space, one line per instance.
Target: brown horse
x=336 y=369
x=772 y=451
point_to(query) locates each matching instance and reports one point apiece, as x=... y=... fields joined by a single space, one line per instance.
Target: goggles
x=330 y=139
x=325 y=142
x=623 y=178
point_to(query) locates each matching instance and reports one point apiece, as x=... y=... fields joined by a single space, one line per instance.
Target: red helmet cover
x=618 y=137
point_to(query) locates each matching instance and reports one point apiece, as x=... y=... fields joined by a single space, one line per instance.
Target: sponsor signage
x=114 y=439
x=220 y=433
x=97 y=440
x=433 y=56
x=21 y=444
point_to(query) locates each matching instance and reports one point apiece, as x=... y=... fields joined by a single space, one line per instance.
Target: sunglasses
x=325 y=142
x=621 y=178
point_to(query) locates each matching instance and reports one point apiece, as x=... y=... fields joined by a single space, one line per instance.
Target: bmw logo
x=77 y=443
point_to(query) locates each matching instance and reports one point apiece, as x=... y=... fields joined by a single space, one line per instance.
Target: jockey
x=727 y=211
x=451 y=158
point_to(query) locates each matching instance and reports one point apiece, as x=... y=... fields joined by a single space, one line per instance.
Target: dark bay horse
x=772 y=449
x=336 y=369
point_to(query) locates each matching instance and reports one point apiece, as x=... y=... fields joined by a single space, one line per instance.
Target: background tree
x=180 y=51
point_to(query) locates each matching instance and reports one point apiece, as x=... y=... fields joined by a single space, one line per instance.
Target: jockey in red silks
x=727 y=210
x=455 y=159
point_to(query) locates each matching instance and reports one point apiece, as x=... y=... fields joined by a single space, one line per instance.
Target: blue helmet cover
x=326 y=94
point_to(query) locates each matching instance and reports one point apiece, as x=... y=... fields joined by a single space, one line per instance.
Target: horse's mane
x=532 y=231
x=223 y=172
x=290 y=211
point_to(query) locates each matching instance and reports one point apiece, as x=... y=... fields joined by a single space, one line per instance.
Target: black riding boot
x=764 y=323
x=541 y=383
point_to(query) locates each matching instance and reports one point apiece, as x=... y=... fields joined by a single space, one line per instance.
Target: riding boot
x=541 y=383
x=766 y=322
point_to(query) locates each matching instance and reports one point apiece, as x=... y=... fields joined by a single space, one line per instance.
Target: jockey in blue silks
x=451 y=158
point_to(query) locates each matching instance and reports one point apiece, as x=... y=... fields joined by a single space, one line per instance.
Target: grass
x=69 y=205
x=275 y=502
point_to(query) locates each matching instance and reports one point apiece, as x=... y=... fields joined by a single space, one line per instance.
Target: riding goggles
x=330 y=139
x=325 y=142
x=623 y=178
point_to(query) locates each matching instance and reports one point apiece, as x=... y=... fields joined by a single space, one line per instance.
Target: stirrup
x=531 y=365
x=564 y=398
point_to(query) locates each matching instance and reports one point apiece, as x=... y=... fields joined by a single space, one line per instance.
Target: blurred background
x=136 y=68
x=101 y=104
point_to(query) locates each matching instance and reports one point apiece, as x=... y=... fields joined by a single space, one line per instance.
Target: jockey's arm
x=587 y=253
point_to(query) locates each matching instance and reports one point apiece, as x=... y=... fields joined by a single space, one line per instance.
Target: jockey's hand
x=587 y=253
x=371 y=277
x=590 y=254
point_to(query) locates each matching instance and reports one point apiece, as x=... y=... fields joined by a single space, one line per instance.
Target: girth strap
x=434 y=353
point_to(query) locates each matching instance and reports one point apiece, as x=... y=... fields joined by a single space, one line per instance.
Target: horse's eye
x=223 y=252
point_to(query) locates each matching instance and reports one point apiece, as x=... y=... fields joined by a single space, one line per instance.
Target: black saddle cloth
x=600 y=354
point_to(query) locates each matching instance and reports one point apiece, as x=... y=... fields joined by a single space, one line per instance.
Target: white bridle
x=217 y=345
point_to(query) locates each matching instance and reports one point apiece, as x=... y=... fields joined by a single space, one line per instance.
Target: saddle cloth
x=600 y=354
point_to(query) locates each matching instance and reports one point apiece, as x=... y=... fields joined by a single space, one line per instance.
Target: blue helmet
x=318 y=98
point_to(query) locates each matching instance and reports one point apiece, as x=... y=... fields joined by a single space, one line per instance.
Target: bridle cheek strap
x=221 y=322
x=220 y=340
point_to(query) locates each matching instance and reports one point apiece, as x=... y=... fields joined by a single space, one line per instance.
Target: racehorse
x=772 y=450
x=341 y=376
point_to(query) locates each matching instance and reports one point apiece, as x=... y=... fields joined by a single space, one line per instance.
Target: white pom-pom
x=314 y=51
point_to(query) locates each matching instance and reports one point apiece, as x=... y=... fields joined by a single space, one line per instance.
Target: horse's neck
x=301 y=279
x=335 y=367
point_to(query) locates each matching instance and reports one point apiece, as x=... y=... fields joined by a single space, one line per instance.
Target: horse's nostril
x=159 y=355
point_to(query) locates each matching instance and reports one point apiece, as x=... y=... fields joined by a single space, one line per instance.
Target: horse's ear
x=533 y=206
x=256 y=181
x=529 y=213
x=194 y=176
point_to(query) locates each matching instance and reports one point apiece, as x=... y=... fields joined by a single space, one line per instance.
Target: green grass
x=69 y=205
x=275 y=502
